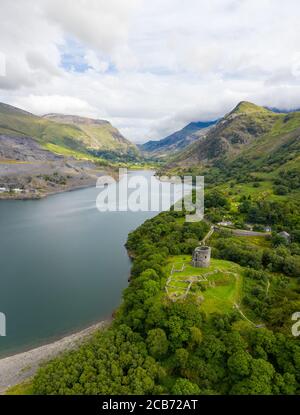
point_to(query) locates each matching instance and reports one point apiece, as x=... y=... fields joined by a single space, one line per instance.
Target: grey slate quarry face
x=24 y=149
x=25 y=164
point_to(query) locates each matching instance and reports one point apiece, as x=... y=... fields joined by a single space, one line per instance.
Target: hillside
x=178 y=140
x=28 y=170
x=95 y=134
x=221 y=330
x=62 y=134
x=42 y=155
x=249 y=139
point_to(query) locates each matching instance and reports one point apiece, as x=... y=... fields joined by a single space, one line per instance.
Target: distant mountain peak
x=74 y=119
x=178 y=140
x=249 y=132
x=247 y=107
x=283 y=110
x=200 y=124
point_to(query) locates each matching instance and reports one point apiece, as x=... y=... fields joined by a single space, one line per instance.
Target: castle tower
x=201 y=257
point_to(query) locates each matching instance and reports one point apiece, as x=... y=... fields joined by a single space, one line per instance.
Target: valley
x=149 y=205
x=177 y=141
x=180 y=329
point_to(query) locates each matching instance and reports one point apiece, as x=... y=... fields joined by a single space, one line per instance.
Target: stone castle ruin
x=201 y=257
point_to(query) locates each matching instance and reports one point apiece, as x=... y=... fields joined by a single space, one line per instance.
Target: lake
x=63 y=265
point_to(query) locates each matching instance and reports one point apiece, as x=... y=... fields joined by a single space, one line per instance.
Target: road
x=243 y=232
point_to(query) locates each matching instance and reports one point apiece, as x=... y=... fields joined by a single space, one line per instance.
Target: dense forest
x=159 y=346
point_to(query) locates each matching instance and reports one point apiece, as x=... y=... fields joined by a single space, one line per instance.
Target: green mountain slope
x=178 y=140
x=95 y=134
x=64 y=134
x=249 y=139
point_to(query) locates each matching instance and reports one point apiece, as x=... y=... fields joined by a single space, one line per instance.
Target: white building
x=225 y=223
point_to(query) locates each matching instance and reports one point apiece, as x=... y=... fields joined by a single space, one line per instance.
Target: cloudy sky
x=149 y=66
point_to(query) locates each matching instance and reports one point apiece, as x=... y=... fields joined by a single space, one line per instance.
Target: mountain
x=178 y=140
x=95 y=134
x=283 y=111
x=251 y=137
x=23 y=149
x=9 y=109
x=64 y=134
x=42 y=155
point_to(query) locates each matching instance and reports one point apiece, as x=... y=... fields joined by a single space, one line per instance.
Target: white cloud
x=99 y=24
x=94 y=62
x=150 y=67
x=39 y=61
x=44 y=104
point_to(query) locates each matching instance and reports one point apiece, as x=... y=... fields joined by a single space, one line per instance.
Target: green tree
x=196 y=337
x=157 y=343
x=239 y=364
x=182 y=356
x=185 y=387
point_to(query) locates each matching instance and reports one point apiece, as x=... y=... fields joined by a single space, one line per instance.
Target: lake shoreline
x=20 y=367
x=40 y=196
x=76 y=184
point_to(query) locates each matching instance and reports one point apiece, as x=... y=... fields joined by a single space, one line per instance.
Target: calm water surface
x=63 y=265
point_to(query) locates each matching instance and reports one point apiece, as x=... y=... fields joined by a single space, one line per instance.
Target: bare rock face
x=26 y=166
x=22 y=148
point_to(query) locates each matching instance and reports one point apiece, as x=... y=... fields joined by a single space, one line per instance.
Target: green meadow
x=218 y=294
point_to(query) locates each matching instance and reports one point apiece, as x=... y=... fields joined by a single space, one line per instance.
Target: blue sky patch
x=72 y=56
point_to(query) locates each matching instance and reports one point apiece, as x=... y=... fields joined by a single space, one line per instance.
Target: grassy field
x=262 y=192
x=64 y=151
x=218 y=294
x=62 y=136
x=260 y=241
x=54 y=148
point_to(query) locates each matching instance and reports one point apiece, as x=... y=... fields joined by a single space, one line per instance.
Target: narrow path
x=268 y=286
x=242 y=314
x=237 y=232
x=243 y=232
x=208 y=235
x=188 y=289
